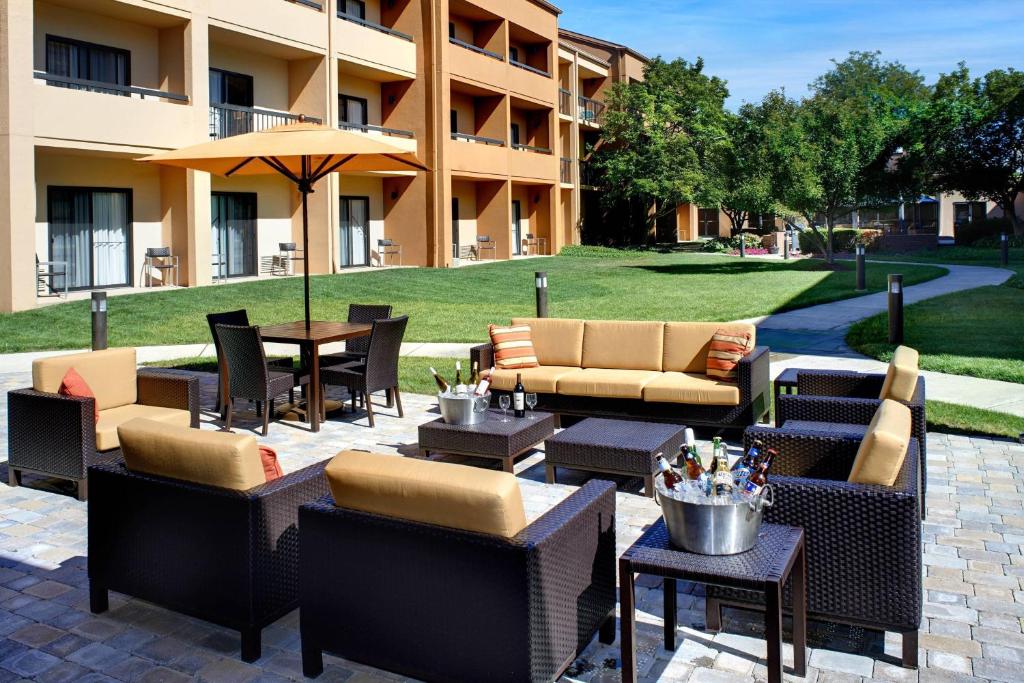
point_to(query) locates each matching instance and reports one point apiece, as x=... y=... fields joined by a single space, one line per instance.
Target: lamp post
x=541 y=285
x=895 y=308
x=99 y=321
x=861 y=279
x=1004 y=249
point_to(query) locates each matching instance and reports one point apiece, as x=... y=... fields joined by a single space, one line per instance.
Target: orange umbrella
x=302 y=152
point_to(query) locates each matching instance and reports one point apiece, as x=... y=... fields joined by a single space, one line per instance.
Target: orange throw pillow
x=271 y=467
x=727 y=348
x=74 y=385
x=513 y=347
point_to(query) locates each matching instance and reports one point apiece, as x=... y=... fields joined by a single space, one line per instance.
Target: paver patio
x=972 y=629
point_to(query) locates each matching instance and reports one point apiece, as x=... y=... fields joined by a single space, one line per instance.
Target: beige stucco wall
x=269 y=74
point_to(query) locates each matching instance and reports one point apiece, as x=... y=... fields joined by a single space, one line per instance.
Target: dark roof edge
x=601 y=41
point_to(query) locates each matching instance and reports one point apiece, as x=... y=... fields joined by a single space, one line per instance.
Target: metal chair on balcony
x=387 y=248
x=535 y=245
x=160 y=259
x=485 y=243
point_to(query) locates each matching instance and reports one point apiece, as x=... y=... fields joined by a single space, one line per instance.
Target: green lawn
x=457 y=305
x=957 y=419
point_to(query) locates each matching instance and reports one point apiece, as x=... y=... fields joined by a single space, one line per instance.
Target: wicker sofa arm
x=50 y=433
x=836 y=409
x=839 y=383
x=483 y=356
x=753 y=373
x=170 y=390
x=816 y=455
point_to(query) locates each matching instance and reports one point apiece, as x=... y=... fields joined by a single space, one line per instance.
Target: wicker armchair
x=53 y=435
x=356 y=348
x=248 y=374
x=864 y=557
x=379 y=372
x=441 y=604
x=228 y=557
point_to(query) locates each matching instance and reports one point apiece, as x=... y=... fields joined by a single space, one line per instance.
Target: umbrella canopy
x=302 y=152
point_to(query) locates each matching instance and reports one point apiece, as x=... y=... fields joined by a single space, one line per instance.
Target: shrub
x=717 y=245
x=990 y=227
x=595 y=251
x=843 y=239
x=994 y=242
x=751 y=251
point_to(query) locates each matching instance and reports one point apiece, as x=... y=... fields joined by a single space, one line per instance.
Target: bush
x=751 y=251
x=994 y=242
x=717 y=245
x=843 y=239
x=970 y=233
x=594 y=251
x=751 y=241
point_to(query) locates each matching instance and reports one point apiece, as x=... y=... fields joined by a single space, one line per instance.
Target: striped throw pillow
x=727 y=348
x=513 y=347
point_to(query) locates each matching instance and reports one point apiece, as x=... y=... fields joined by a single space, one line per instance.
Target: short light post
x=743 y=247
x=1004 y=249
x=895 y=308
x=541 y=284
x=861 y=278
x=99 y=321
x=785 y=246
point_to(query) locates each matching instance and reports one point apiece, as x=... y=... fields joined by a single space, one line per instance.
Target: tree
x=855 y=119
x=971 y=138
x=658 y=137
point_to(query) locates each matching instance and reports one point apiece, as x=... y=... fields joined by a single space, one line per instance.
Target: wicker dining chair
x=379 y=372
x=248 y=374
x=356 y=348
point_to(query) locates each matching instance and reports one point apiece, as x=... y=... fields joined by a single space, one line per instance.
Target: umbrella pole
x=305 y=188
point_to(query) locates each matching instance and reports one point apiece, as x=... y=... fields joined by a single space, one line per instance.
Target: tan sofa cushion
x=542 y=380
x=230 y=461
x=678 y=387
x=687 y=344
x=445 y=494
x=884 y=447
x=601 y=383
x=901 y=378
x=623 y=344
x=109 y=373
x=557 y=341
x=112 y=418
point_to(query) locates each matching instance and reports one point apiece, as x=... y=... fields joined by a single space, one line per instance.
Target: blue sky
x=758 y=45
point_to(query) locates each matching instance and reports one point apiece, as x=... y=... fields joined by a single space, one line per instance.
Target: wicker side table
x=622 y=447
x=778 y=555
x=492 y=438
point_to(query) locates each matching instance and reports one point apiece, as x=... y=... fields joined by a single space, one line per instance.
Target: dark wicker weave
x=440 y=604
x=850 y=398
x=778 y=554
x=490 y=439
x=864 y=558
x=753 y=380
x=356 y=348
x=55 y=436
x=229 y=557
x=379 y=372
x=612 y=447
x=249 y=375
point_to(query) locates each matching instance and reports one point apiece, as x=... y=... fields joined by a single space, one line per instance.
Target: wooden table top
x=319 y=332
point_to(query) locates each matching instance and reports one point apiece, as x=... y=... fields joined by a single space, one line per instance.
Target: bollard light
x=743 y=247
x=1004 y=249
x=541 y=285
x=861 y=275
x=895 y=308
x=785 y=247
x=99 y=321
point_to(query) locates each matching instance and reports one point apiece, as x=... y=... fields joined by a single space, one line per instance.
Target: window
x=451 y=29
x=354 y=241
x=354 y=8
x=90 y=230
x=707 y=222
x=455 y=227
x=233 y=232
x=352 y=110
x=228 y=87
x=513 y=54
x=88 y=62
x=515 y=133
x=454 y=117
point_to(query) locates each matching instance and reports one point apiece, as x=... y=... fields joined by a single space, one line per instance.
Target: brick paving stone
x=36 y=635
x=65 y=672
x=950 y=662
x=30 y=663
x=162 y=674
x=98 y=656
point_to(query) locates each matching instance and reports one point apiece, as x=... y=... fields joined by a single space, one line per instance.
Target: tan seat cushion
x=230 y=461
x=901 y=378
x=687 y=344
x=109 y=373
x=557 y=341
x=678 y=387
x=112 y=418
x=623 y=344
x=601 y=383
x=884 y=447
x=542 y=380
x=445 y=494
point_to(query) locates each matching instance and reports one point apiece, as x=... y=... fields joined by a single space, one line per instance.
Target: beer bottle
x=759 y=477
x=671 y=478
x=745 y=465
x=723 y=481
x=695 y=472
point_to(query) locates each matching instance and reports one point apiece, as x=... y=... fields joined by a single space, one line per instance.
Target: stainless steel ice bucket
x=715 y=529
x=464 y=410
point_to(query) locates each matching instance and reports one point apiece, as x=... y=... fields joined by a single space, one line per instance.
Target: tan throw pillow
x=727 y=348
x=884 y=447
x=513 y=347
x=901 y=378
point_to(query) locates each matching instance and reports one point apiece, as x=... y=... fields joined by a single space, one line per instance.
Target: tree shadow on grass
x=742 y=268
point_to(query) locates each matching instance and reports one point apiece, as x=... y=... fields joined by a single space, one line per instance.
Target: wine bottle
x=474 y=376
x=442 y=386
x=460 y=386
x=519 y=397
x=485 y=384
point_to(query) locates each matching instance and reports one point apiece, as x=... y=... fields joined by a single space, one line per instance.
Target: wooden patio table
x=309 y=342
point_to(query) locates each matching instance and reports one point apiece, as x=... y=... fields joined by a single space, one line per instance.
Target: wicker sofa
x=636 y=369
x=58 y=436
x=187 y=521
x=429 y=570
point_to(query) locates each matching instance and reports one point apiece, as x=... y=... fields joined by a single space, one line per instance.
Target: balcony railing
x=308 y=3
x=564 y=102
x=106 y=88
x=590 y=110
x=531 y=69
x=531 y=148
x=376 y=27
x=589 y=174
x=228 y=119
x=565 y=170
x=370 y=128
x=464 y=137
x=474 y=48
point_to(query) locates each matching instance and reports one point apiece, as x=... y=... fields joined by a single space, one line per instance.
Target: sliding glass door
x=90 y=230
x=83 y=61
x=233 y=238
x=517 y=227
x=354 y=238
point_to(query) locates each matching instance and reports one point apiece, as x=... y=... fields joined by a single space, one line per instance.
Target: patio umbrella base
x=296 y=412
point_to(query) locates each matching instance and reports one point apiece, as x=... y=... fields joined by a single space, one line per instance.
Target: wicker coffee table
x=492 y=438
x=778 y=555
x=620 y=447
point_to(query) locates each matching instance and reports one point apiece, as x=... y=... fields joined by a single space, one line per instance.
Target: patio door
x=517 y=227
x=90 y=230
x=455 y=227
x=707 y=222
x=233 y=237
x=354 y=240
